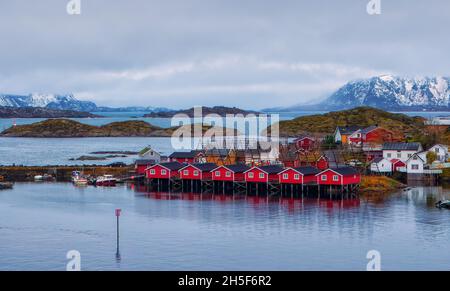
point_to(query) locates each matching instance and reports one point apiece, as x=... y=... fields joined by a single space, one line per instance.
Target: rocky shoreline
x=39 y=112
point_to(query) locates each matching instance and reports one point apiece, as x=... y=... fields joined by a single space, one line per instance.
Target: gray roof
x=402 y=146
x=348 y=129
x=239 y=168
x=308 y=170
x=205 y=167
x=345 y=170
x=377 y=160
x=183 y=155
x=144 y=162
x=174 y=166
x=271 y=169
x=369 y=129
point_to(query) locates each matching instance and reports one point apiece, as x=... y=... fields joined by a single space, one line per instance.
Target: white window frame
x=261 y=175
x=152 y=171
x=196 y=173
x=163 y=172
x=335 y=178
x=296 y=176
x=250 y=175
x=285 y=176
x=217 y=173
x=228 y=174
x=186 y=172
x=323 y=177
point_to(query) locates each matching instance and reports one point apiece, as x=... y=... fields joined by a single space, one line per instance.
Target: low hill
x=360 y=116
x=69 y=128
x=219 y=110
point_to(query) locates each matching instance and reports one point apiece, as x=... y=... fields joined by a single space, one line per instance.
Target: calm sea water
x=40 y=223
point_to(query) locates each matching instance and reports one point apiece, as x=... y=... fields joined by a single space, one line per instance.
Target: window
x=399 y=155
x=436 y=150
x=409 y=155
x=195 y=173
x=228 y=174
x=217 y=173
x=296 y=177
x=261 y=175
x=163 y=172
x=323 y=177
x=185 y=172
x=415 y=167
x=152 y=171
x=285 y=176
x=151 y=153
x=250 y=175
x=335 y=178
x=389 y=155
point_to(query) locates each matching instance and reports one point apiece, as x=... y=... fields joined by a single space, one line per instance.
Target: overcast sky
x=246 y=53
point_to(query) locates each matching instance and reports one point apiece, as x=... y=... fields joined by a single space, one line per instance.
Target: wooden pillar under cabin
x=292 y=190
x=223 y=187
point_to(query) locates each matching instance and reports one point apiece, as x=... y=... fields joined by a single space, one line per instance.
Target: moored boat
x=443 y=204
x=106 y=180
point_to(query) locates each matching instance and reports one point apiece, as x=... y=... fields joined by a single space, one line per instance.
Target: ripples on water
x=39 y=223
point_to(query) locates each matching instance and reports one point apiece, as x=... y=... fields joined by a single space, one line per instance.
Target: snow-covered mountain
x=63 y=102
x=66 y=102
x=391 y=92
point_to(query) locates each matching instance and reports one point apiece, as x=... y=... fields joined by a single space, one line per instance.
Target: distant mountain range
x=219 y=110
x=66 y=102
x=388 y=93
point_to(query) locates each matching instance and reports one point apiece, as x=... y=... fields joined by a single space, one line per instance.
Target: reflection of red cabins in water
x=263 y=174
x=300 y=175
x=197 y=171
x=339 y=176
x=230 y=173
x=164 y=170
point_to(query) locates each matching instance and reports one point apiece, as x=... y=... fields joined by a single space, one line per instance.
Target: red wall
x=222 y=176
x=158 y=173
x=256 y=178
x=190 y=174
x=305 y=143
x=342 y=180
x=291 y=177
x=322 y=164
x=140 y=169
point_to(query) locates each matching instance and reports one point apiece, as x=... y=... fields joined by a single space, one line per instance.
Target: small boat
x=443 y=204
x=80 y=181
x=39 y=178
x=6 y=185
x=106 y=180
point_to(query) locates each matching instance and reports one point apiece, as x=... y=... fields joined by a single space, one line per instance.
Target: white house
x=150 y=154
x=381 y=165
x=441 y=151
x=401 y=151
x=415 y=164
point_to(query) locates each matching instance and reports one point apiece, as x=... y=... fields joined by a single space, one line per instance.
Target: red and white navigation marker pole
x=118 y=212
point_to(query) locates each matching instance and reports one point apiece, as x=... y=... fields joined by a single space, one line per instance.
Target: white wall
x=383 y=166
x=414 y=162
x=401 y=155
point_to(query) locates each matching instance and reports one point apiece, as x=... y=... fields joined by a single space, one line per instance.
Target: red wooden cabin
x=141 y=165
x=305 y=142
x=263 y=174
x=164 y=170
x=230 y=173
x=197 y=171
x=339 y=176
x=322 y=163
x=184 y=157
x=301 y=175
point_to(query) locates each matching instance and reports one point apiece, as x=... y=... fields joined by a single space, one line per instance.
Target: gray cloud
x=248 y=53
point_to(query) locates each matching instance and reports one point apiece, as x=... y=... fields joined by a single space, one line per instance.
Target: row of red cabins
x=262 y=174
